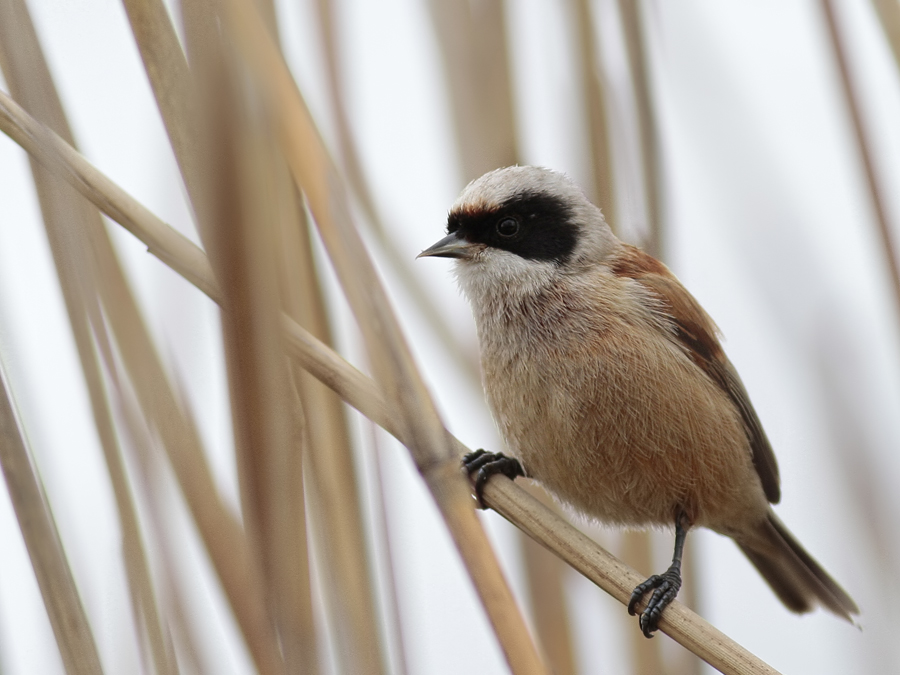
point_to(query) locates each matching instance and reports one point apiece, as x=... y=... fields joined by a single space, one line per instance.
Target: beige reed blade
x=351 y=166
x=388 y=352
x=298 y=628
x=167 y=71
x=329 y=459
x=150 y=483
x=220 y=532
x=64 y=609
x=166 y=243
x=648 y=133
x=27 y=73
x=338 y=505
x=348 y=571
x=472 y=39
x=136 y=565
x=242 y=238
x=593 y=89
x=546 y=576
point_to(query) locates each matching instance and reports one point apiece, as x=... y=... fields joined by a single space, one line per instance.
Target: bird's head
x=522 y=226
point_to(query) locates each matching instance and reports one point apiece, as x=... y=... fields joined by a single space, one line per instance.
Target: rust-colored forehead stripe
x=469 y=212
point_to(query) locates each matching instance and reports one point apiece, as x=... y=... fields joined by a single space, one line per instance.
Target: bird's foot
x=666 y=587
x=481 y=465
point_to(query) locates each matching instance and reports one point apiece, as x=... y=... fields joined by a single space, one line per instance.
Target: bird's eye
x=508 y=227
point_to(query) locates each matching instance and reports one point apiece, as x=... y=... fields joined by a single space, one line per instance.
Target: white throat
x=496 y=282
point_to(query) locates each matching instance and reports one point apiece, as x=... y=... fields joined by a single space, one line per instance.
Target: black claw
x=665 y=587
x=481 y=465
x=640 y=591
x=475 y=460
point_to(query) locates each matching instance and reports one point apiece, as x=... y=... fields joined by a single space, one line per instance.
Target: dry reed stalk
x=81 y=303
x=472 y=38
x=64 y=609
x=865 y=146
x=648 y=134
x=646 y=657
x=546 y=592
x=298 y=625
x=338 y=510
x=351 y=167
x=388 y=352
x=239 y=231
x=636 y=550
x=23 y=63
x=58 y=156
x=889 y=15
x=545 y=576
x=564 y=540
x=180 y=625
x=330 y=460
x=392 y=604
x=220 y=532
x=167 y=71
x=136 y=564
x=149 y=481
x=593 y=90
x=860 y=466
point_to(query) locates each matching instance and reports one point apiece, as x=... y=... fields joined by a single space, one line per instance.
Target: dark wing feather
x=697 y=334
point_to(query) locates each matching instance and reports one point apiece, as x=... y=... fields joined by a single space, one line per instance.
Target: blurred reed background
x=185 y=497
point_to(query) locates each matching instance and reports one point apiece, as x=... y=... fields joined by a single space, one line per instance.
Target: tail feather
x=797 y=579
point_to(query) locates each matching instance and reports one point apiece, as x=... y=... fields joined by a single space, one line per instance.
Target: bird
x=610 y=387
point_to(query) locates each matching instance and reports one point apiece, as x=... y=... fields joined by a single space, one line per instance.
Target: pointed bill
x=450 y=246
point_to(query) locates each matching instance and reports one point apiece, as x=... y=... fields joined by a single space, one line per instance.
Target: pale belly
x=633 y=435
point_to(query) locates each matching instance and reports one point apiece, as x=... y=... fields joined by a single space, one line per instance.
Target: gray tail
x=797 y=579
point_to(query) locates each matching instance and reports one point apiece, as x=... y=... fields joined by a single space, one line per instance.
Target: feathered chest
x=545 y=361
x=564 y=331
x=565 y=365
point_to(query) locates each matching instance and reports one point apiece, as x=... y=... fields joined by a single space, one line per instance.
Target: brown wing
x=697 y=333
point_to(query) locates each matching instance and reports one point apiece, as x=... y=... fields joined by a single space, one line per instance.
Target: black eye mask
x=545 y=229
